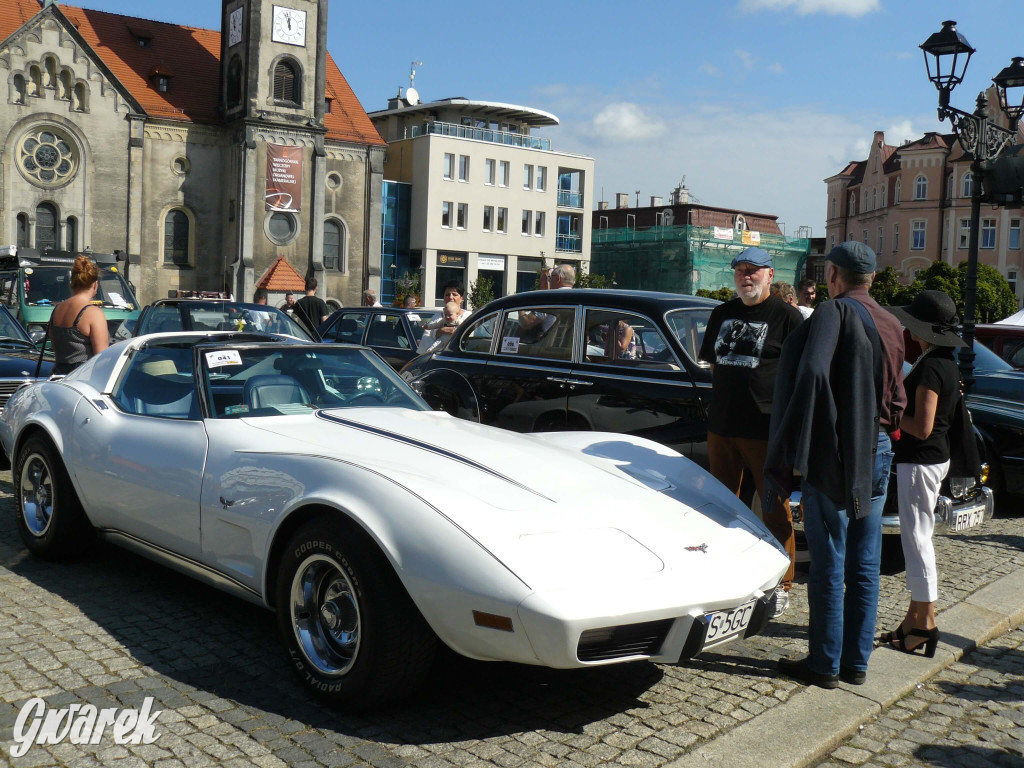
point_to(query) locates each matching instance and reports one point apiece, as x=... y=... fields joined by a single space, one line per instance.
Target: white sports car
x=311 y=479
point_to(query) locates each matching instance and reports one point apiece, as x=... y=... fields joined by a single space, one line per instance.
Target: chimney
x=680 y=195
x=622 y=200
x=656 y=201
x=602 y=205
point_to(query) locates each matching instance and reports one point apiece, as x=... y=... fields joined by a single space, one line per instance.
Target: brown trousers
x=730 y=457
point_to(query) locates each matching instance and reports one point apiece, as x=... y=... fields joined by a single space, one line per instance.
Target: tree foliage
x=481 y=291
x=994 y=298
x=722 y=294
x=594 y=280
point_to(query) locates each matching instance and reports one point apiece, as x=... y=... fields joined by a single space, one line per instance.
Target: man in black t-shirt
x=743 y=341
x=311 y=309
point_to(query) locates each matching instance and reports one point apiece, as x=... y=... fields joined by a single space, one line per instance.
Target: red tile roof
x=191 y=55
x=282 y=277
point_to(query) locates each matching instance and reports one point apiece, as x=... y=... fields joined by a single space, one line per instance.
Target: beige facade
x=912 y=205
x=159 y=134
x=487 y=196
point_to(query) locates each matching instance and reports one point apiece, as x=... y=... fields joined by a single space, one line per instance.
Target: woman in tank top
x=78 y=329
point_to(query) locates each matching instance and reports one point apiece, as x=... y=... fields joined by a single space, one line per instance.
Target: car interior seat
x=269 y=390
x=159 y=395
x=347 y=330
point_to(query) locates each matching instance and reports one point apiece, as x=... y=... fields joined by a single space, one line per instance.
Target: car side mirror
x=37 y=336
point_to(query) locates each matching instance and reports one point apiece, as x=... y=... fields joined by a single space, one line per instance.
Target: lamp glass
x=950 y=53
x=1010 y=87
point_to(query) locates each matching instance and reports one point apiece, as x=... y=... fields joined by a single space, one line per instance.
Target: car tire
x=51 y=521
x=351 y=631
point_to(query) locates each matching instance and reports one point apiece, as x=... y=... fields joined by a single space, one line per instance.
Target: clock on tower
x=289 y=26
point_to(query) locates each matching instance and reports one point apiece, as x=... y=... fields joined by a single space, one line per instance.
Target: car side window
x=689 y=326
x=545 y=332
x=387 y=331
x=625 y=338
x=9 y=288
x=478 y=335
x=1013 y=352
x=348 y=329
x=159 y=383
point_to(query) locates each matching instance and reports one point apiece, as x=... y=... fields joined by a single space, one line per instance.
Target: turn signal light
x=984 y=473
x=492 y=621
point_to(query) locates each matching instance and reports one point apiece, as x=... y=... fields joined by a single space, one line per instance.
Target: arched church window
x=46 y=226
x=22 y=234
x=19 y=89
x=287 y=82
x=47 y=158
x=234 y=94
x=35 y=81
x=334 y=245
x=80 y=102
x=64 y=92
x=177 y=237
x=70 y=233
x=50 y=64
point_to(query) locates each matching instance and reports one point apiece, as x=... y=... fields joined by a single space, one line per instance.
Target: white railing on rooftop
x=479 y=134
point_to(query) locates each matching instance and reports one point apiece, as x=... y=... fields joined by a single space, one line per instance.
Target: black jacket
x=824 y=419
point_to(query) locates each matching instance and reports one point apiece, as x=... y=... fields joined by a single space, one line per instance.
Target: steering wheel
x=366 y=393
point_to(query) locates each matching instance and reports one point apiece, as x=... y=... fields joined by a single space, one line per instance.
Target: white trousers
x=918 y=491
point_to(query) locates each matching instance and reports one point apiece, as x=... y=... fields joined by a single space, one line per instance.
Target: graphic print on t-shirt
x=740 y=343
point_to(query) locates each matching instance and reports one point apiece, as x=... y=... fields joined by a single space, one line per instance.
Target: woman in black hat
x=922 y=459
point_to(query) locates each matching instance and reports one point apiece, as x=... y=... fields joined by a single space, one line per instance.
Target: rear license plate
x=723 y=625
x=968 y=518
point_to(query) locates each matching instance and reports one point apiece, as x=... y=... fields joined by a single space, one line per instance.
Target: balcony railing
x=570 y=199
x=569 y=243
x=479 y=134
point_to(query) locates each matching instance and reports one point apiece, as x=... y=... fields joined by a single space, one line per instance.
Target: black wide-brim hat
x=932 y=318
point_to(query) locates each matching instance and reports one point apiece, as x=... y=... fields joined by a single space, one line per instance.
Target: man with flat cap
x=742 y=342
x=838 y=398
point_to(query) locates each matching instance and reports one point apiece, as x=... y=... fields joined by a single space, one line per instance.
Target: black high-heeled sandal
x=897 y=640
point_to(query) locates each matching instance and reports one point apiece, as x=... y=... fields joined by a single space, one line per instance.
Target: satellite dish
x=412 y=96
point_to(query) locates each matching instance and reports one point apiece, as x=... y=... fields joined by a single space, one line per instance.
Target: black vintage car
x=393 y=333
x=550 y=360
x=19 y=361
x=169 y=315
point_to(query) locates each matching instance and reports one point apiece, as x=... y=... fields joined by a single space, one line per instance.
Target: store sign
x=457 y=260
x=723 y=233
x=496 y=263
x=284 y=178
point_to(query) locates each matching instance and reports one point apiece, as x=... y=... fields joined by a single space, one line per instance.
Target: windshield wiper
x=15 y=340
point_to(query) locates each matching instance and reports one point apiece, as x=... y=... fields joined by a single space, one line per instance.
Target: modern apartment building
x=488 y=198
x=912 y=205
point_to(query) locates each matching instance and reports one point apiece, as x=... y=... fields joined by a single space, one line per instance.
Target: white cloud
x=900 y=132
x=747 y=59
x=805 y=7
x=709 y=69
x=775 y=68
x=625 y=122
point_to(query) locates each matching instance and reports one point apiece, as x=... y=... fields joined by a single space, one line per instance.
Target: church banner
x=284 y=178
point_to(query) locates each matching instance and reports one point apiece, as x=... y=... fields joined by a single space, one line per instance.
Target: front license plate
x=723 y=625
x=968 y=518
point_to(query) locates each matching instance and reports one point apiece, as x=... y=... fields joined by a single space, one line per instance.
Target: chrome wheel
x=325 y=615
x=36 y=486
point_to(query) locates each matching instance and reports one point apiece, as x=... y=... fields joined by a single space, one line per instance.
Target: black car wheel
x=353 y=634
x=51 y=520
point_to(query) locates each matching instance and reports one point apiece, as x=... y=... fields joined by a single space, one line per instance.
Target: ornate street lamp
x=946 y=54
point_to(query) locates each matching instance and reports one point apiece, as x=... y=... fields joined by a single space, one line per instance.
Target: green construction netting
x=687 y=259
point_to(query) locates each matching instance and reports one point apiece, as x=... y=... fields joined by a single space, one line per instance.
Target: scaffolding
x=687 y=259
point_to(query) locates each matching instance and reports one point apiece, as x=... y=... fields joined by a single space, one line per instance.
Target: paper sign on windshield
x=223 y=357
x=413 y=317
x=510 y=345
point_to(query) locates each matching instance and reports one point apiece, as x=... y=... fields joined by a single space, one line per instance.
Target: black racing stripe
x=426 y=447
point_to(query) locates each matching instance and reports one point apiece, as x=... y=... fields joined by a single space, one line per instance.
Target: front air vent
x=606 y=643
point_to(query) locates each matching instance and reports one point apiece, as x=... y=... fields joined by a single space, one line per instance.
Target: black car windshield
x=51 y=285
x=246 y=381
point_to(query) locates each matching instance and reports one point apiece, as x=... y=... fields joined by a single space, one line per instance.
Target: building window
x=70 y=233
x=281 y=227
x=988 y=233
x=1011 y=278
x=949 y=186
x=488 y=217
x=446 y=214
x=287 y=83
x=965 y=233
x=448 y=169
x=874 y=199
x=234 y=91
x=1014 y=242
x=831 y=242
x=463 y=167
x=542 y=178
x=503 y=168
x=880 y=235
x=833 y=207
x=503 y=220
x=896 y=193
x=334 y=246
x=177 y=238
x=461 y=215
x=538 y=224
x=895 y=237
x=885 y=194
x=865 y=237
x=46 y=226
x=19 y=89
x=921 y=187
x=966 y=186
x=489 y=172
x=527 y=221
x=852 y=209
x=47 y=158
x=22 y=234
x=527 y=176
x=917 y=235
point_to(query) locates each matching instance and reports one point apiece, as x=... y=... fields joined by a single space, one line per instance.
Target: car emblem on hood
x=699 y=548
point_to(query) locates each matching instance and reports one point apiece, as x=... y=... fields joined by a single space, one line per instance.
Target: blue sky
x=755 y=102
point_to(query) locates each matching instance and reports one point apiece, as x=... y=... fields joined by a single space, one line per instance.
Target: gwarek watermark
x=82 y=724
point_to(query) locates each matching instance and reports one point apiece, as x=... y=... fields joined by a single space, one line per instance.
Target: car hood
x=552 y=514
x=15 y=362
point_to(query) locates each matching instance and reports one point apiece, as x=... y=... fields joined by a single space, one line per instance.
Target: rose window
x=47 y=157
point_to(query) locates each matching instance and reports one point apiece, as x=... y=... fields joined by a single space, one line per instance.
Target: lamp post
x=946 y=55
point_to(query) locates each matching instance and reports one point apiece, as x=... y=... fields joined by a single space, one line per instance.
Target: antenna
x=412 y=95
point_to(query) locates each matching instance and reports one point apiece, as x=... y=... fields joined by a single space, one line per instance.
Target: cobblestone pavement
x=111 y=629
x=970 y=715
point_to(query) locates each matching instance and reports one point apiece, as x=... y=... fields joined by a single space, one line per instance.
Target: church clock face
x=235 y=27
x=289 y=26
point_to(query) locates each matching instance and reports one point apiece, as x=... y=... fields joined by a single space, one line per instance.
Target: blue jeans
x=844 y=551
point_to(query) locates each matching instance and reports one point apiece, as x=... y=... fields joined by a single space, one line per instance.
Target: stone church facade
x=205 y=155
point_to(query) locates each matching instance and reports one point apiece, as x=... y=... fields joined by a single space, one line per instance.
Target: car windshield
x=689 y=325
x=46 y=286
x=246 y=381
x=11 y=330
x=220 y=316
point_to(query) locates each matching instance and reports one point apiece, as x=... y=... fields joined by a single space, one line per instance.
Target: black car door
x=631 y=380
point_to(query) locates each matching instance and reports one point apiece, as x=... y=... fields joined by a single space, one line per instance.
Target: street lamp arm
x=977 y=134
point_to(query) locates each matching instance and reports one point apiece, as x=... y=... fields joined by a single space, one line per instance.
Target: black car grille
x=7 y=387
x=642 y=639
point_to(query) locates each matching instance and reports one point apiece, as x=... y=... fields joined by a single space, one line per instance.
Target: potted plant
x=407 y=285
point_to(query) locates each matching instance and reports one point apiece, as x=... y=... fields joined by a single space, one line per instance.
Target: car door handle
x=557 y=380
x=578 y=382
